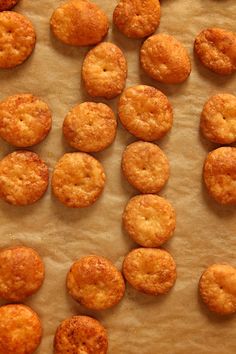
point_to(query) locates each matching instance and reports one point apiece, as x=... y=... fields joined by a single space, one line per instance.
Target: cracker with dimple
x=165 y=59
x=218 y=119
x=95 y=283
x=21 y=273
x=25 y=120
x=137 y=18
x=219 y=174
x=23 y=178
x=78 y=180
x=90 y=127
x=217 y=287
x=145 y=112
x=20 y=330
x=145 y=166
x=17 y=39
x=79 y=23
x=151 y=271
x=7 y=4
x=149 y=220
x=216 y=49
x=80 y=334
x=104 y=71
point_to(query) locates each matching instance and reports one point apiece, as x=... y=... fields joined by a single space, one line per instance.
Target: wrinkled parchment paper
x=173 y=324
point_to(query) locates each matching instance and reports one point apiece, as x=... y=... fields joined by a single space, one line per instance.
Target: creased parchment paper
x=173 y=324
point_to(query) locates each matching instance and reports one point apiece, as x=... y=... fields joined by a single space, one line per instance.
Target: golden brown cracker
x=145 y=166
x=23 y=178
x=79 y=23
x=165 y=59
x=90 y=127
x=78 y=180
x=104 y=71
x=95 y=283
x=7 y=4
x=145 y=112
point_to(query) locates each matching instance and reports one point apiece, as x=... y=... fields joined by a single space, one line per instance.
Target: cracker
x=7 y=4
x=145 y=166
x=78 y=180
x=145 y=112
x=218 y=119
x=219 y=174
x=151 y=271
x=165 y=59
x=21 y=273
x=215 y=47
x=149 y=220
x=23 y=178
x=95 y=283
x=79 y=23
x=80 y=334
x=137 y=18
x=20 y=330
x=217 y=287
x=90 y=127
x=25 y=120
x=17 y=39
x=104 y=71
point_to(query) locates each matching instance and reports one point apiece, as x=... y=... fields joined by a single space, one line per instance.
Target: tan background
x=172 y=324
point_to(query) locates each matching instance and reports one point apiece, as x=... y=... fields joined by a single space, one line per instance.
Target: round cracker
x=80 y=334
x=151 y=271
x=104 y=71
x=149 y=220
x=20 y=329
x=165 y=59
x=79 y=23
x=25 y=120
x=17 y=39
x=23 y=178
x=78 y=180
x=215 y=47
x=217 y=287
x=90 y=127
x=95 y=283
x=145 y=166
x=7 y=4
x=21 y=273
x=137 y=19
x=145 y=112
x=218 y=119
x=219 y=174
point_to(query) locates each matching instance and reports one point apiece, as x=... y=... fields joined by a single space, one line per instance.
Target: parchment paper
x=173 y=324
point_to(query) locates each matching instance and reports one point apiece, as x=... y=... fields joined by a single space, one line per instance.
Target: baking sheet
x=172 y=324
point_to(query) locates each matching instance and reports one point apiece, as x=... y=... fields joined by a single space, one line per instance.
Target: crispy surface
x=165 y=59
x=80 y=335
x=145 y=166
x=218 y=119
x=145 y=112
x=219 y=174
x=90 y=127
x=149 y=220
x=78 y=180
x=17 y=39
x=95 y=283
x=79 y=23
x=21 y=273
x=217 y=287
x=104 y=71
x=23 y=178
x=216 y=48
x=149 y=270
x=137 y=18
x=20 y=330
x=25 y=120
x=7 y=4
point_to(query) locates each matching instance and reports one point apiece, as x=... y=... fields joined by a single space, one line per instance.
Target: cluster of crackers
x=78 y=178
